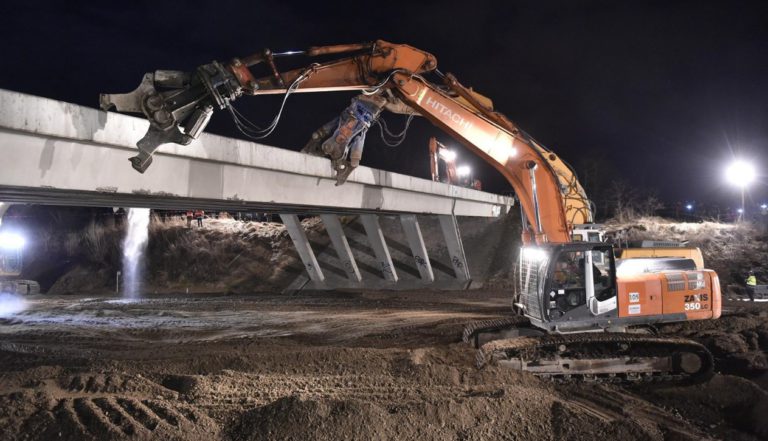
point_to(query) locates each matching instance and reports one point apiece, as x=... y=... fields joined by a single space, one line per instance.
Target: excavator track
x=473 y=331
x=602 y=357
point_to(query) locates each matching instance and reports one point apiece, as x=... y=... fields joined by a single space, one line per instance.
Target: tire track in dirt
x=99 y=407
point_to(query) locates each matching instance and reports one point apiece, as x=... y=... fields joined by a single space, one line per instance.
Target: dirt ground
x=339 y=365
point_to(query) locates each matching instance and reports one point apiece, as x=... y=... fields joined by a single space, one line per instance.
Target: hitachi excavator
x=438 y=153
x=576 y=319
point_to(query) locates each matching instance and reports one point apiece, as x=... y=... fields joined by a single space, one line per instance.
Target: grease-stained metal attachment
x=178 y=106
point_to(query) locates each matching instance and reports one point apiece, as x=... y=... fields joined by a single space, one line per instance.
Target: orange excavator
x=575 y=317
x=461 y=176
x=438 y=152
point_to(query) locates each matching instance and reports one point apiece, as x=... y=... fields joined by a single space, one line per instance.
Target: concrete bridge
x=63 y=154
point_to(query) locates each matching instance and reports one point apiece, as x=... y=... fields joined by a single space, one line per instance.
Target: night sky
x=661 y=94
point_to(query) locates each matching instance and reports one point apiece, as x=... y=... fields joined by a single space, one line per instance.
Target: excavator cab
x=588 y=233
x=568 y=286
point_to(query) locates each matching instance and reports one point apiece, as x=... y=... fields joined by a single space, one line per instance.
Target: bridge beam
x=455 y=247
x=379 y=246
x=341 y=245
x=300 y=241
x=64 y=154
x=416 y=241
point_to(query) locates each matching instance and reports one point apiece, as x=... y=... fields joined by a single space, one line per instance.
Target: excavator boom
x=179 y=106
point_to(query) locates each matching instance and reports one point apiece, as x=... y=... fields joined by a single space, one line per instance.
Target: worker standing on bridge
x=199 y=216
x=189 y=216
x=751 y=284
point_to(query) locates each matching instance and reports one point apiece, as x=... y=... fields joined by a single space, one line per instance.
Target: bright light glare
x=11 y=304
x=463 y=170
x=740 y=173
x=11 y=241
x=764 y=206
x=689 y=207
x=740 y=210
x=534 y=253
x=448 y=155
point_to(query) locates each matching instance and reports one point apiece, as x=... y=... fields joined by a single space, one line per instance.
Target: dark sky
x=664 y=92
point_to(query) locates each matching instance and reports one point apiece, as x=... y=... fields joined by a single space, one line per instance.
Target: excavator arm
x=508 y=151
x=178 y=106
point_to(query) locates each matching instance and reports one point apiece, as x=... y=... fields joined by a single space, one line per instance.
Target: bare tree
x=650 y=204
x=596 y=174
x=623 y=200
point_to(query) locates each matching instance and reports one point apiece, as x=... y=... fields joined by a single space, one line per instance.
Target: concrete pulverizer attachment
x=455 y=247
x=300 y=241
x=379 y=246
x=341 y=245
x=416 y=242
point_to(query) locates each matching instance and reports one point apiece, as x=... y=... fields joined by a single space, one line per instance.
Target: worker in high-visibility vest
x=751 y=284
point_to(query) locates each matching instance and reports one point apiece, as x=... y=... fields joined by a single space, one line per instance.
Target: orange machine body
x=693 y=293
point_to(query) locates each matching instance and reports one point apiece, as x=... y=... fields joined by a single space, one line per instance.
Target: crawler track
x=472 y=331
x=602 y=357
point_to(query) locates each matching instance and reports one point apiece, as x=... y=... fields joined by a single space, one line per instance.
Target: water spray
x=134 y=246
x=11 y=304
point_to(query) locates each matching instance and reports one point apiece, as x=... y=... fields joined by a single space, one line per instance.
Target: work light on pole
x=740 y=174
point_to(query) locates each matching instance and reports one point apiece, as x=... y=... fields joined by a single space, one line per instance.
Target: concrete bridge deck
x=59 y=153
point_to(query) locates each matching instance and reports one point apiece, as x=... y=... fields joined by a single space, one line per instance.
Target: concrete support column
x=341 y=245
x=379 y=246
x=4 y=206
x=416 y=241
x=300 y=241
x=455 y=247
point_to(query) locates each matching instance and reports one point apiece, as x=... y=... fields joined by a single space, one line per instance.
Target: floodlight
x=534 y=253
x=11 y=241
x=740 y=173
x=448 y=155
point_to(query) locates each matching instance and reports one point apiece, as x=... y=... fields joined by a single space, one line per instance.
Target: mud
x=338 y=365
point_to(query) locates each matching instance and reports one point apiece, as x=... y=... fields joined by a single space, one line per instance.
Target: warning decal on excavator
x=634 y=297
x=634 y=309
